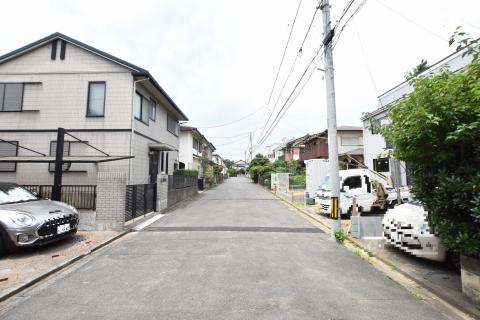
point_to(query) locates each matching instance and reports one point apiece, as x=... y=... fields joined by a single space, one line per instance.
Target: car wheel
x=453 y=260
x=3 y=249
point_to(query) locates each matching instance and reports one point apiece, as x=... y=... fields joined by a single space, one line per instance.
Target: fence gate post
x=162 y=192
x=111 y=196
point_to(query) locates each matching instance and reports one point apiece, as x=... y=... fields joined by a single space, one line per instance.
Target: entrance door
x=154 y=157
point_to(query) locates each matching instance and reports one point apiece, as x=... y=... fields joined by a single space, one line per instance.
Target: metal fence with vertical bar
x=140 y=200
x=79 y=196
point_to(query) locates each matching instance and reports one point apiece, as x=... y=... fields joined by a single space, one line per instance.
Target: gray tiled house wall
x=55 y=94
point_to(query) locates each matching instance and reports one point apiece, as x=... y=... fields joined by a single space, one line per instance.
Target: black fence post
x=57 y=178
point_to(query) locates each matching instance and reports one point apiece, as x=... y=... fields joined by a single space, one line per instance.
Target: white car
x=406 y=227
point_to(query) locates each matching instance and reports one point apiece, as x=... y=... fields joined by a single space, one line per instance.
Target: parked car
x=26 y=220
x=406 y=227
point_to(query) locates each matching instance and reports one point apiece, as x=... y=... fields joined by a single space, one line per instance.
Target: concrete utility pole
x=251 y=146
x=331 y=115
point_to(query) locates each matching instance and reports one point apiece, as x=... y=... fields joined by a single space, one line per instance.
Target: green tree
x=436 y=128
x=228 y=163
x=422 y=66
x=260 y=165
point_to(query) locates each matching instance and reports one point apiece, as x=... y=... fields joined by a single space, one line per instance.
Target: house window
x=172 y=125
x=153 y=110
x=145 y=109
x=381 y=165
x=137 y=106
x=388 y=145
x=53 y=152
x=141 y=108
x=354 y=182
x=9 y=148
x=196 y=144
x=166 y=163
x=350 y=141
x=11 y=96
x=96 y=99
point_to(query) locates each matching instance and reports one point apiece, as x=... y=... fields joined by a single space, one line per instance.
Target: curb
x=434 y=291
x=15 y=290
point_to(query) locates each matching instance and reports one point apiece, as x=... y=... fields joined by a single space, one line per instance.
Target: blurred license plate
x=63 y=228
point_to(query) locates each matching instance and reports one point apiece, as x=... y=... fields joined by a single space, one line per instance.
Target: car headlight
x=73 y=208
x=424 y=228
x=23 y=220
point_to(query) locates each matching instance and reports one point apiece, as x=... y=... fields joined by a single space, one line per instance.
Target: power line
x=308 y=31
x=365 y=58
x=284 y=52
x=235 y=136
x=231 y=122
x=412 y=21
x=292 y=68
x=279 y=116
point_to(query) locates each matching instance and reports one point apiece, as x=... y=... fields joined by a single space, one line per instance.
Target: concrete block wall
x=111 y=194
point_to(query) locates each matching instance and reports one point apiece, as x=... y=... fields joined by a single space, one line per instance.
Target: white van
x=370 y=189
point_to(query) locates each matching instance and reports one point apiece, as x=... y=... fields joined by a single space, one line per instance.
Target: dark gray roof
x=136 y=70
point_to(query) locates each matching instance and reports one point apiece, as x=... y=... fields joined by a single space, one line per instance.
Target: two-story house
x=110 y=103
x=377 y=149
x=193 y=147
x=349 y=144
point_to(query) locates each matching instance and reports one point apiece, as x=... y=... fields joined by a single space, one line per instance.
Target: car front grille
x=49 y=228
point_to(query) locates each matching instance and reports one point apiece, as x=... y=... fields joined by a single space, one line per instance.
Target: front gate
x=140 y=200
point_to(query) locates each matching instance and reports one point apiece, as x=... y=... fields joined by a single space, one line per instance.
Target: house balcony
x=316 y=151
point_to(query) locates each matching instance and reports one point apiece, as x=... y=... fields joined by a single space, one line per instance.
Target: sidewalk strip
x=145 y=224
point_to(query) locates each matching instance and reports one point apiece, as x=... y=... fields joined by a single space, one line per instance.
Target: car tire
x=453 y=260
x=3 y=247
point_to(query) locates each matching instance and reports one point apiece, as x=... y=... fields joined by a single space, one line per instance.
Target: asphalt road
x=235 y=252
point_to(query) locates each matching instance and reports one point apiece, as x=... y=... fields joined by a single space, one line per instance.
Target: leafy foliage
x=298 y=180
x=422 y=66
x=228 y=163
x=340 y=236
x=186 y=172
x=232 y=172
x=436 y=129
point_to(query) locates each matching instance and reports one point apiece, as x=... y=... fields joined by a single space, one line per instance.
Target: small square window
x=11 y=98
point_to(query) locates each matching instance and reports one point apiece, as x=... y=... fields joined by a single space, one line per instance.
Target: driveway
x=236 y=252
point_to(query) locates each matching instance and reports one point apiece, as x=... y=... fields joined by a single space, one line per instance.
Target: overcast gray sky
x=218 y=58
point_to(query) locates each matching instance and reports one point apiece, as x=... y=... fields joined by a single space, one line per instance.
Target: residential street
x=236 y=252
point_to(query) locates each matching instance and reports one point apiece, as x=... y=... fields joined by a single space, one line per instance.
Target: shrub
x=241 y=171
x=232 y=172
x=298 y=180
x=436 y=128
x=186 y=172
x=340 y=235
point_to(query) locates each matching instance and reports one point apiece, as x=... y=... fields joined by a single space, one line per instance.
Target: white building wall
x=186 y=149
x=350 y=134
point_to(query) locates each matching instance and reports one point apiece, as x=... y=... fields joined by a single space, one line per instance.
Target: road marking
x=148 y=222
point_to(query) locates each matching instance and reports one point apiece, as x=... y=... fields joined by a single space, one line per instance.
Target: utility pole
x=251 y=146
x=331 y=116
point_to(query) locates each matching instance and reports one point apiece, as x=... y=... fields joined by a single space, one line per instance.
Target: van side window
x=353 y=182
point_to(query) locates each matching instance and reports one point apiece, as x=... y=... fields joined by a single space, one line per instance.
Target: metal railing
x=79 y=196
x=140 y=200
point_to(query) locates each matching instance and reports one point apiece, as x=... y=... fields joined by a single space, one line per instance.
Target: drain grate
x=232 y=228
